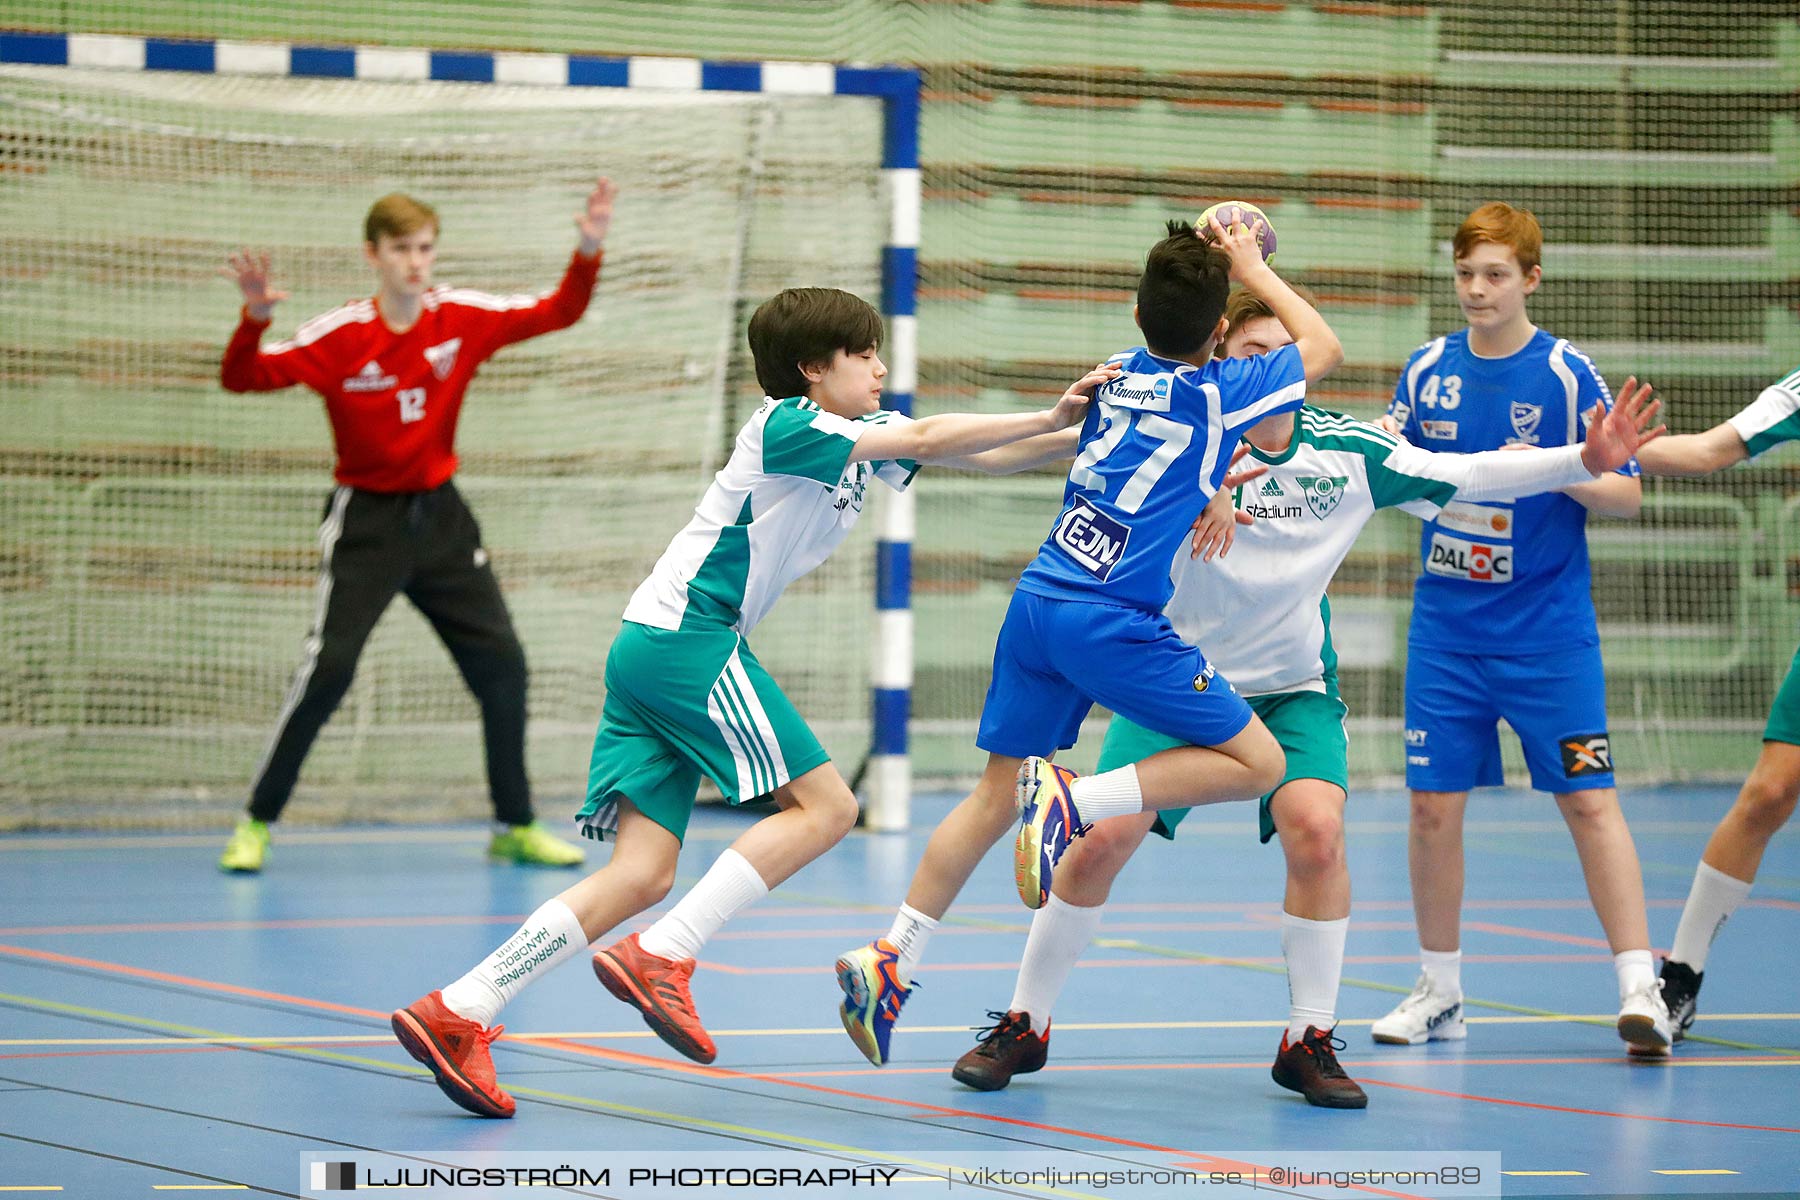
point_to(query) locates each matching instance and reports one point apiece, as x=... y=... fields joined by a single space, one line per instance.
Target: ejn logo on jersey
x=1092 y=538
x=1479 y=562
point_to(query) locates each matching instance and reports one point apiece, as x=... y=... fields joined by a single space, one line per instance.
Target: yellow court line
x=1713 y=1171
x=31 y=1187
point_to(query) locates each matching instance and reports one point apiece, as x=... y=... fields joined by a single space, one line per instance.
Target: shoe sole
x=615 y=979
x=1028 y=847
x=1321 y=1098
x=855 y=985
x=969 y=1077
x=1458 y=1033
x=415 y=1038
x=1641 y=1034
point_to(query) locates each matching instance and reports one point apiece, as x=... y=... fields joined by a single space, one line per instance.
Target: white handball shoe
x=1644 y=1021
x=1428 y=1015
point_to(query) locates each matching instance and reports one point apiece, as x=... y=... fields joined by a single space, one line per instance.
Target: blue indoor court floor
x=166 y=1029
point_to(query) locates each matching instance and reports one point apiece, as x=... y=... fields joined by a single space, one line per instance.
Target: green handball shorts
x=1784 y=717
x=682 y=703
x=1309 y=726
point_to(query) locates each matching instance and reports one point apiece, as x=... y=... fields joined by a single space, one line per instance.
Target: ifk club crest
x=1525 y=419
x=1323 y=492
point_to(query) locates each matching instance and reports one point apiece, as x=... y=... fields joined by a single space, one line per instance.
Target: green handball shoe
x=248 y=847
x=534 y=846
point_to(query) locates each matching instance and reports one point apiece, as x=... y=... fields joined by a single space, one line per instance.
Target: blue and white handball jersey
x=1510 y=577
x=1156 y=443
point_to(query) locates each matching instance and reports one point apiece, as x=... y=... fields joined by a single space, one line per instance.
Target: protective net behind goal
x=158 y=548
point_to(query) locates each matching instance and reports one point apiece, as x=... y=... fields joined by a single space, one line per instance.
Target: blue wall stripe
x=893 y=575
x=161 y=54
x=900 y=402
x=324 y=62
x=454 y=66
x=892 y=708
x=731 y=76
x=899 y=280
x=585 y=71
x=43 y=49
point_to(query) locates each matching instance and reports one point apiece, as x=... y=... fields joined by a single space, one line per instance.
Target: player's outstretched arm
x=1688 y=455
x=1320 y=351
x=251 y=273
x=595 y=218
x=946 y=437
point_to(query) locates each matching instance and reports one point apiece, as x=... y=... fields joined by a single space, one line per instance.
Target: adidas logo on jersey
x=370 y=379
x=1271 y=487
x=442 y=357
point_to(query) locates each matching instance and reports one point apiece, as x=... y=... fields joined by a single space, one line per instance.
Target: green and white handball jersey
x=1772 y=418
x=785 y=499
x=1258 y=613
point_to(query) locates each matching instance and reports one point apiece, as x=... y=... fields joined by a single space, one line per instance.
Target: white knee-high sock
x=1114 y=793
x=549 y=936
x=1713 y=898
x=1314 y=951
x=909 y=935
x=729 y=886
x=1060 y=933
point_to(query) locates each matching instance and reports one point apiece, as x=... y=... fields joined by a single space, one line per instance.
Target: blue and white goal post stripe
x=888 y=792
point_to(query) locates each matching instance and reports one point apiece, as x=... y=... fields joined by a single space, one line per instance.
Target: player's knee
x=1313 y=842
x=1267 y=763
x=1106 y=848
x=1766 y=802
x=835 y=813
x=645 y=883
x=1589 y=807
x=1429 y=817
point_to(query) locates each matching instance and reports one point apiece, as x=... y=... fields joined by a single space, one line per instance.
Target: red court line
x=207 y=985
x=1543 y=935
x=1209 y=1161
x=1585 y=1112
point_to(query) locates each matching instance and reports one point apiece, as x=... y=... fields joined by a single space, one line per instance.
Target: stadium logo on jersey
x=1455 y=558
x=1271 y=487
x=852 y=488
x=1323 y=492
x=1587 y=754
x=1443 y=430
x=442 y=357
x=370 y=379
x=1092 y=538
x=1525 y=419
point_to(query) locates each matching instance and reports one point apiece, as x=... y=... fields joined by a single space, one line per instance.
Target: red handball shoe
x=658 y=988
x=456 y=1050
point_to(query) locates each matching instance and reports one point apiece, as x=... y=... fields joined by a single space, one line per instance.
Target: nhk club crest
x=1323 y=492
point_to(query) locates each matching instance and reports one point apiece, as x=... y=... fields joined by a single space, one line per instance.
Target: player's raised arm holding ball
x=392 y=369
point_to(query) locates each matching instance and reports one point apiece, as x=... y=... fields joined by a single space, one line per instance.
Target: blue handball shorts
x=1057 y=658
x=1555 y=702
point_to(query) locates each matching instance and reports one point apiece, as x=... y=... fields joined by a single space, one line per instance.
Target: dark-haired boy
x=1086 y=624
x=686 y=697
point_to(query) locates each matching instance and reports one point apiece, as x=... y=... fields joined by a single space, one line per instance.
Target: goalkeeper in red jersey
x=392 y=370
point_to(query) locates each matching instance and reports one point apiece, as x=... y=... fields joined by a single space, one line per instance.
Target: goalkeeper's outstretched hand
x=251 y=273
x=596 y=217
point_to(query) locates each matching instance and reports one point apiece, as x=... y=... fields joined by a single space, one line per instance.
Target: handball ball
x=1237 y=212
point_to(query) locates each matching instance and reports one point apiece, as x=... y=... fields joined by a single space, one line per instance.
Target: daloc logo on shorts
x=1092 y=538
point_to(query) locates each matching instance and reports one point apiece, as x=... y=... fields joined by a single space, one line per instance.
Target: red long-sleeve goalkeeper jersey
x=393 y=398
